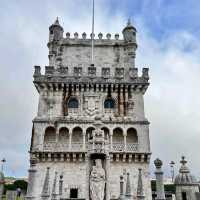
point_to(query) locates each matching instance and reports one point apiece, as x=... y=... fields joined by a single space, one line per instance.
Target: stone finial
x=84 y=35
x=129 y=32
x=159 y=180
x=145 y=73
x=158 y=163
x=140 y=190
x=76 y=35
x=46 y=190
x=92 y=35
x=56 y=22
x=129 y=22
x=116 y=36
x=54 y=192
x=68 y=35
x=121 y=186
x=100 y=35
x=61 y=185
x=37 y=71
x=108 y=36
x=128 y=186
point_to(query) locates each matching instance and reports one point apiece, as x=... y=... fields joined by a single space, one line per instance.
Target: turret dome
x=184 y=177
x=129 y=32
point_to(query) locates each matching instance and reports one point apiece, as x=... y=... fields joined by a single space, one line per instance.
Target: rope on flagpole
x=92 y=31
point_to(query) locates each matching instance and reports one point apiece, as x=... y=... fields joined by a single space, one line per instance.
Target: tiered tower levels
x=77 y=96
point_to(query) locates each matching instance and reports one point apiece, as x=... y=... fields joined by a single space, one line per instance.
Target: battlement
x=87 y=73
x=83 y=38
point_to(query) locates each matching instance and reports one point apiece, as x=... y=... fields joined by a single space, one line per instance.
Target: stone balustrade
x=119 y=146
x=79 y=147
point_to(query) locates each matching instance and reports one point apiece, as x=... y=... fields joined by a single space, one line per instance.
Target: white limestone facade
x=81 y=103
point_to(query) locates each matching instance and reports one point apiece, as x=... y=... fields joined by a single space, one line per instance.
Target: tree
x=21 y=184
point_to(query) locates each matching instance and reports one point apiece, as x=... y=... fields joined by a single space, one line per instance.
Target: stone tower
x=187 y=187
x=90 y=126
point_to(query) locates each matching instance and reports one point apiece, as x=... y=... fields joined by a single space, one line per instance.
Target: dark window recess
x=109 y=103
x=184 y=196
x=73 y=103
x=74 y=193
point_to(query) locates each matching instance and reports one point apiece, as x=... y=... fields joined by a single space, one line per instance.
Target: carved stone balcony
x=62 y=147
x=79 y=147
x=121 y=147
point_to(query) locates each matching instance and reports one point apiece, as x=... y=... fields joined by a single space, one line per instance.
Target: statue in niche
x=97 y=181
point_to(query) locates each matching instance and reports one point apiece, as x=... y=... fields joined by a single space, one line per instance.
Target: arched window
x=109 y=103
x=50 y=135
x=73 y=103
x=132 y=136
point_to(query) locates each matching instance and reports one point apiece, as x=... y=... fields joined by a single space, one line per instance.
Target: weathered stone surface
x=87 y=112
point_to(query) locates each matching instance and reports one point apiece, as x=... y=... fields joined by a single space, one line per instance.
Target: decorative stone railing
x=79 y=147
x=117 y=146
x=63 y=147
x=130 y=147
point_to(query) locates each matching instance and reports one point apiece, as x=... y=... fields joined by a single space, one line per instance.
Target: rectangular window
x=74 y=193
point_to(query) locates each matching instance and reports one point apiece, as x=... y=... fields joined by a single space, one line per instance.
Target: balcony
x=121 y=147
x=79 y=147
x=61 y=147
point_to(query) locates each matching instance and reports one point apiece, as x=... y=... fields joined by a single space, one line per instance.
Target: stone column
x=84 y=135
x=57 y=134
x=54 y=193
x=107 y=177
x=31 y=179
x=87 y=185
x=121 y=187
x=46 y=189
x=128 y=188
x=61 y=186
x=125 y=141
x=70 y=140
x=159 y=180
x=1 y=184
x=111 y=142
x=140 y=190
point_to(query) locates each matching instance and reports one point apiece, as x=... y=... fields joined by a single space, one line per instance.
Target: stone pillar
x=125 y=141
x=107 y=177
x=121 y=187
x=159 y=180
x=70 y=140
x=54 y=189
x=1 y=184
x=61 y=186
x=31 y=179
x=128 y=187
x=84 y=135
x=46 y=190
x=57 y=135
x=111 y=142
x=87 y=185
x=140 y=190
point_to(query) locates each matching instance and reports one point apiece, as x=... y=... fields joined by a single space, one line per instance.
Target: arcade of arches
x=77 y=138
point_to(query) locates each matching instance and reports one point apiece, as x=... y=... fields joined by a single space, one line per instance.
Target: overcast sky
x=169 y=44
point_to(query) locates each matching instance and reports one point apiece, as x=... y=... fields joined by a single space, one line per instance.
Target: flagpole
x=92 y=31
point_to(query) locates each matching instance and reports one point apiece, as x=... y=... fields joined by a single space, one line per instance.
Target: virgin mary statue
x=97 y=181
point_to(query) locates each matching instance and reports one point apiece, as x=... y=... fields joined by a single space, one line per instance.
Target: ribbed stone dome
x=184 y=177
